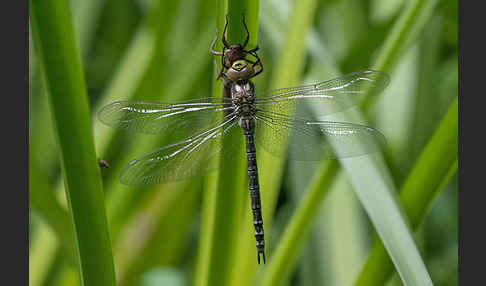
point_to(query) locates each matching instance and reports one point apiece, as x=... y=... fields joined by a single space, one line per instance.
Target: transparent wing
x=187 y=158
x=315 y=140
x=338 y=94
x=184 y=118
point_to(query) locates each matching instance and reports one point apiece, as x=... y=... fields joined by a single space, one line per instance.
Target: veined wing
x=184 y=159
x=184 y=118
x=338 y=94
x=315 y=140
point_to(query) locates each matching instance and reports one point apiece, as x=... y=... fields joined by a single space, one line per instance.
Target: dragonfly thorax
x=243 y=92
x=243 y=98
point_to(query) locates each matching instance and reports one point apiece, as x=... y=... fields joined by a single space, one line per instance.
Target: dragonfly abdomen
x=254 y=188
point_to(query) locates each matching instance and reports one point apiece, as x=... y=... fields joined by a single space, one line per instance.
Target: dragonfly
x=270 y=120
x=267 y=119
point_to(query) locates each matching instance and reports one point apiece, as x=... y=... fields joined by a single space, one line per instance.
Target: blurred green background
x=166 y=234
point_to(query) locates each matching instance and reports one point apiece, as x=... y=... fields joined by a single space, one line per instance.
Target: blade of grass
x=425 y=116
x=404 y=32
x=225 y=191
x=124 y=82
x=42 y=200
x=43 y=156
x=341 y=24
x=42 y=255
x=405 y=27
x=122 y=87
x=114 y=29
x=344 y=232
x=122 y=201
x=156 y=241
x=375 y=189
x=155 y=235
x=127 y=80
x=43 y=152
x=67 y=276
x=283 y=260
x=288 y=70
x=85 y=17
x=206 y=239
x=151 y=84
x=42 y=122
x=42 y=197
x=277 y=272
x=54 y=36
x=393 y=114
x=52 y=231
x=431 y=172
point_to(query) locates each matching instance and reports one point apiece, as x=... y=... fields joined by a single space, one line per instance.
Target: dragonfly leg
x=221 y=73
x=247 y=33
x=211 y=49
x=223 y=66
x=258 y=62
x=224 y=33
x=254 y=50
x=259 y=71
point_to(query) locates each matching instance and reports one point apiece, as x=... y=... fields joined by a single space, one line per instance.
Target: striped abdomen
x=255 y=192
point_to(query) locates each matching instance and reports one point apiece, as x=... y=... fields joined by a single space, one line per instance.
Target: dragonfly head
x=240 y=70
x=234 y=53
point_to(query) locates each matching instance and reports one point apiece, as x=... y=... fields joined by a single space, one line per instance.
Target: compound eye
x=238 y=65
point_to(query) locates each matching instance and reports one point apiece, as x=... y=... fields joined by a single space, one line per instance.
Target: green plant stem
x=121 y=202
x=86 y=15
x=284 y=256
x=225 y=191
x=54 y=36
x=408 y=25
x=170 y=209
x=404 y=32
x=288 y=71
x=42 y=200
x=42 y=255
x=43 y=158
x=431 y=172
x=401 y=34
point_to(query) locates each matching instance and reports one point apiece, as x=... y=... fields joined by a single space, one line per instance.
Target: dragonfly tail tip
x=263 y=255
